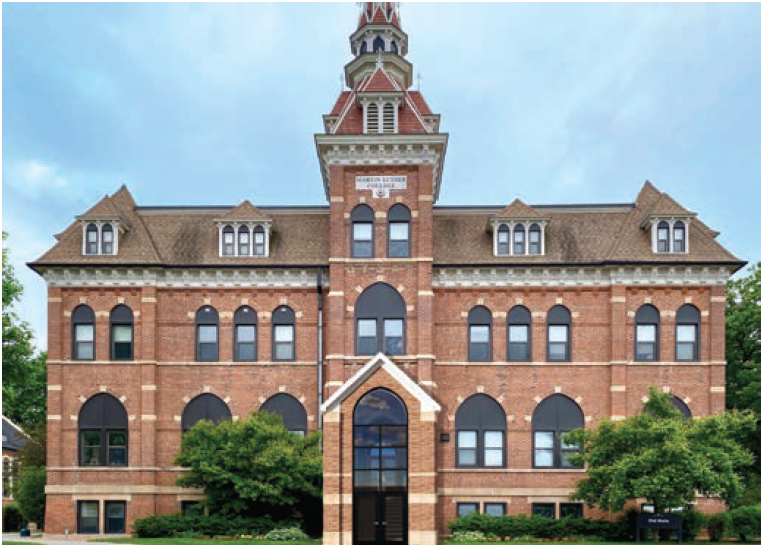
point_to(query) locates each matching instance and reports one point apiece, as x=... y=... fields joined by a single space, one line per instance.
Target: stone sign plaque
x=381 y=186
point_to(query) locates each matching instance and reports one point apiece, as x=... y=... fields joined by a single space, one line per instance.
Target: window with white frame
x=100 y=237
x=512 y=238
x=381 y=117
x=670 y=235
x=239 y=239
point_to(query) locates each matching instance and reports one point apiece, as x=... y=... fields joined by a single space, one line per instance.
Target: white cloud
x=33 y=178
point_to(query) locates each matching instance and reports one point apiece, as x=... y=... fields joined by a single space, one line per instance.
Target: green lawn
x=193 y=541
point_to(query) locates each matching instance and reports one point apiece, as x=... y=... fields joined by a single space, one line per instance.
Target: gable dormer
x=669 y=226
x=244 y=231
x=518 y=230
x=101 y=227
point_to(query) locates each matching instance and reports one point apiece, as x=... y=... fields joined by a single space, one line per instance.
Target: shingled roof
x=245 y=211
x=518 y=210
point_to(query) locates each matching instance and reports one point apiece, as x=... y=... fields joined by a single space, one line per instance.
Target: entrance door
x=380 y=469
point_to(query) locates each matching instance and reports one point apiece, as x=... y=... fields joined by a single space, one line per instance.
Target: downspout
x=319 y=349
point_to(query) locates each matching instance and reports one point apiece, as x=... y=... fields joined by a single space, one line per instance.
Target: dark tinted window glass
x=574 y=510
x=88 y=517
x=543 y=510
x=116 y=514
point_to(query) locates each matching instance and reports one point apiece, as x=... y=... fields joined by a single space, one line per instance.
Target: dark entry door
x=380 y=470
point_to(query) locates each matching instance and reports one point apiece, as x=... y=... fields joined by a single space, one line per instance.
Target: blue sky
x=214 y=103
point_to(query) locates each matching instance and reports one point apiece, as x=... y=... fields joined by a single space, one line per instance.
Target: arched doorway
x=380 y=469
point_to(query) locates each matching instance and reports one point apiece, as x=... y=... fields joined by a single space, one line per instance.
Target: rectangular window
x=399 y=239
x=228 y=243
x=493 y=449
x=116 y=517
x=362 y=241
x=663 y=239
x=367 y=337
x=284 y=343
x=84 y=341
x=88 y=517
x=258 y=243
x=108 y=242
x=646 y=342
x=518 y=348
x=543 y=510
x=92 y=242
x=557 y=349
x=544 y=449
x=91 y=448
x=393 y=331
x=466 y=448
x=207 y=343
x=495 y=509
x=245 y=349
x=117 y=448
x=573 y=510
x=503 y=244
x=678 y=240
x=479 y=347
x=534 y=242
x=686 y=342
x=122 y=339
x=567 y=451
x=519 y=242
x=243 y=241
x=466 y=508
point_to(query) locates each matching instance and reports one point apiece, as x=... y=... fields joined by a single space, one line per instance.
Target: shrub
x=30 y=494
x=540 y=527
x=716 y=524
x=467 y=537
x=286 y=534
x=215 y=525
x=746 y=522
x=13 y=521
x=692 y=522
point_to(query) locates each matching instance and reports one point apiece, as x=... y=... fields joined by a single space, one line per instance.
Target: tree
x=661 y=457
x=24 y=373
x=251 y=467
x=744 y=341
x=30 y=494
x=34 y=451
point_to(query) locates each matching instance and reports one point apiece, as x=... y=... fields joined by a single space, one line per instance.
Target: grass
x=194 y=541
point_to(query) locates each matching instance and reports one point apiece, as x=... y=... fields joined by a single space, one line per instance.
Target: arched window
x=244 y=241
x=107 y=233
x=552 y=418
x=646 y=333
x=259 y=248
x=479 y=334
x=394 y=47
x=519 y=240
x=373 y=115
x=121 y=333
x=682 y=407
x=91 y=242
x=245 y=334
x=388 y=118
x=207 y=334
x=480 y=424
x=558 y=334
x=519 y=334
x=503 y=240
x=679 y=237
x=83 y=333
x=228 y=240
x=363 y=48
x=688 y=333
x=290 y=410
x=399 y=231
x=362 y=224
x=663 y=237
x=535 y=239
x=283 y=334
x=380 y=315
x=103 y=436
x=378 y=44
x=204 y=407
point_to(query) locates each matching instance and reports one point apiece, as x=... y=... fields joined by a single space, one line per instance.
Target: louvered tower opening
x=372 y=118
x=388 y=118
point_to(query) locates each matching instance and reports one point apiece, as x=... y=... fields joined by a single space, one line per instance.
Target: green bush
x=215 y=525
x=716 y=524
x=746 y=522
x=30 y=494
x=13 y=521
x=692 y=522
x=540 y=527
x=467 y=537
x=286 y=534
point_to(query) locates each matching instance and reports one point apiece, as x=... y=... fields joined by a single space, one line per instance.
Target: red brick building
x=442 y=349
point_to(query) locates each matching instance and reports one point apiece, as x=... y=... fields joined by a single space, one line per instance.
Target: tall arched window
x=552 y=418
x=503 y=240
x=259 y=247
x=647 y=333
x=362 y=223
x=519 y=240
x=244 y=240
x=103 y=436
x=207 y=334
x=388 y=118
x=481 y=425
x=558 y=334
x=679 y=237
x=107 y=232
x=91 y=242
x=83 y=333
x=535 y=239
x=380 y=315
x=373 y=118
x=244 y=334
x=682 y=407
x=228 y=240
x=399 y=231
x=290 y=410
x=122 y=333
x=519 y=334
x=378 y=44
x=204 y=407
x=283 y=334
x=688 y=333
x=479 y=334
x=663 y=237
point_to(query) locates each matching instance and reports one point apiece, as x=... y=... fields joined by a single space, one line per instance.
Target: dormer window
x=663 y=237
x=101 y=236
x=670 y=235
x=535 y=239
x=259 y=246
x=679 y=238
x=519 y=240
x=91 y=239
x=244 y=238
x=108 y=239
x=228 y=240
x=503 y=240
x=516 y=237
